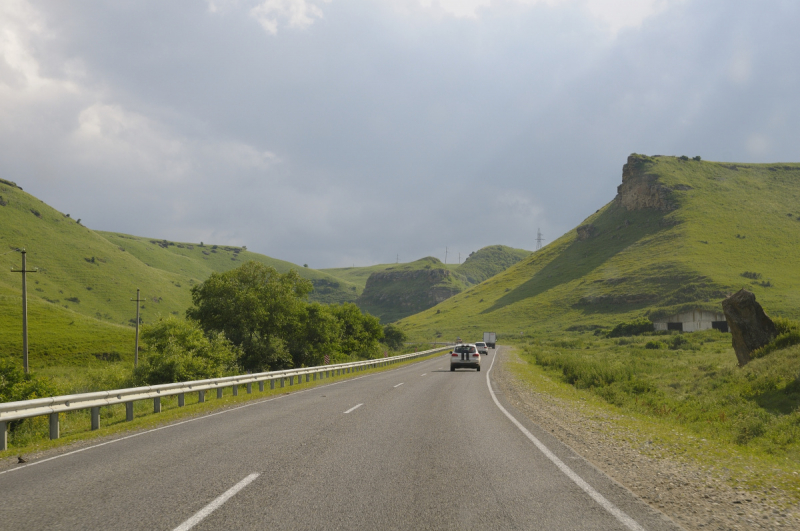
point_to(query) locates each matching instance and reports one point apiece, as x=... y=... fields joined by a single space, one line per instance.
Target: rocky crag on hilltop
x=640 y=190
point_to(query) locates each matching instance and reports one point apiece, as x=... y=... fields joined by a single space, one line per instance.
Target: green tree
x=254 y=306
x=320 y=334
x=394 y=336
x=360 y=333
x=177 y=351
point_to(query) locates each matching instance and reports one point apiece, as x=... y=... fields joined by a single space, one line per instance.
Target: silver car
x=465 y=355
x=482 y=348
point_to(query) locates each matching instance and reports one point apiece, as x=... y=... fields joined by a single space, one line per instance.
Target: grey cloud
x=370 y=133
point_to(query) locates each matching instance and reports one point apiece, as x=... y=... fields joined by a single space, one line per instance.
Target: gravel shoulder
x=691 y=496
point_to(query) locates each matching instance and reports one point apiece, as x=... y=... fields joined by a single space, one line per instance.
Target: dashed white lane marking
x=425 y=374
x=353 y=409
x=216 y=504
x=398 y=385
x=623 y=518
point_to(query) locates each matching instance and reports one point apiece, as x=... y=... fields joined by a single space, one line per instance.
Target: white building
x=692 y=321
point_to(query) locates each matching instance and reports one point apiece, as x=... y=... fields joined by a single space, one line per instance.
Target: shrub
x=654 y=345
x=15 y=385
x=751 y=274
x=394 y=336
x=632 y=328
x=788 y=335
x=177 y=351
x=678 y=342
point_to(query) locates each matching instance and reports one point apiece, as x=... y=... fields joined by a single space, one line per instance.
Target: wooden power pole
x=24 y=271
x=136 y=351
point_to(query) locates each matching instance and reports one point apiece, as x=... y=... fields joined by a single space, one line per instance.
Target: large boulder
x=749 y=325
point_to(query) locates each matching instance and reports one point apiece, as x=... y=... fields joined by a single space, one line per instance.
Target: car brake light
x=454 y=354
x=475 y=355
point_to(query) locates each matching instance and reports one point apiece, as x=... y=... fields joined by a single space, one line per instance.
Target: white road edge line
x=201 y=515
x=623 y=518
x=398 y=385
x=353 y=409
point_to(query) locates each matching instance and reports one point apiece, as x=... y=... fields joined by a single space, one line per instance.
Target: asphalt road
x=418 y=447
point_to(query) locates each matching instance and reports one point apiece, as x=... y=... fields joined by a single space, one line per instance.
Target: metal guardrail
x=52 y=406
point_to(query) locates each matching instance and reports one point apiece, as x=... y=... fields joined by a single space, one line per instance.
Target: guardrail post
x=96 y=418
x=219 y=392
x=315 y=377
x=3 y=436
x=272 y=384
x=235 y=390
x=181 y=399
x=54 y=426
x=283 y=381
x=157 y=404
x=291 y=380
x=201 y=397
x=261 y=386
x=249 y=388
x=308 y=377
x=128 y=411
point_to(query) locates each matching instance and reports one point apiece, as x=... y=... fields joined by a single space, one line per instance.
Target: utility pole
x=538 y=239
x=445 y=256
x=24 y=270
x=136 y=352
x=459 y=258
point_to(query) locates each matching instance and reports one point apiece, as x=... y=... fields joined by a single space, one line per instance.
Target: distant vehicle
x=465 y=356
x=482 y=348
x=490 y=338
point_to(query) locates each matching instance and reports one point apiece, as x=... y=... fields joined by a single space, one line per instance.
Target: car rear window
x=462 y=350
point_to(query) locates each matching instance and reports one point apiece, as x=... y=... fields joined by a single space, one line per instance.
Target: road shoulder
x=689 y=495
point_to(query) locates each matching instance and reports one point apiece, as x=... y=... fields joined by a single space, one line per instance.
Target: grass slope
x=80 y=299
x=726 y=220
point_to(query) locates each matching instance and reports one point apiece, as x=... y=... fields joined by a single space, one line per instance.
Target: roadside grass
x=33 y=435
x=687 y=400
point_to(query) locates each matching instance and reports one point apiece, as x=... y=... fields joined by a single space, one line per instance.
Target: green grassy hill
x=80 y=300
x=405 y=289
x=357 y=275
x=393 y=291
x=680 y=234
x=489 y=261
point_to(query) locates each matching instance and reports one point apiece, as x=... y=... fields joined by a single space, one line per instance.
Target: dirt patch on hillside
x=694 y=498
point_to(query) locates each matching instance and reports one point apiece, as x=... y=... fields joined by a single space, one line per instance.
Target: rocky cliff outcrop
x=640 y=190
x=586 y=231
x=395 y=294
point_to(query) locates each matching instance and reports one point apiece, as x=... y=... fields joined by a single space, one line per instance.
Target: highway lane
x=416 y=447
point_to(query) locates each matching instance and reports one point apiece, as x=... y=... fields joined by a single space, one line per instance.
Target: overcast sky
x=340 y=132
